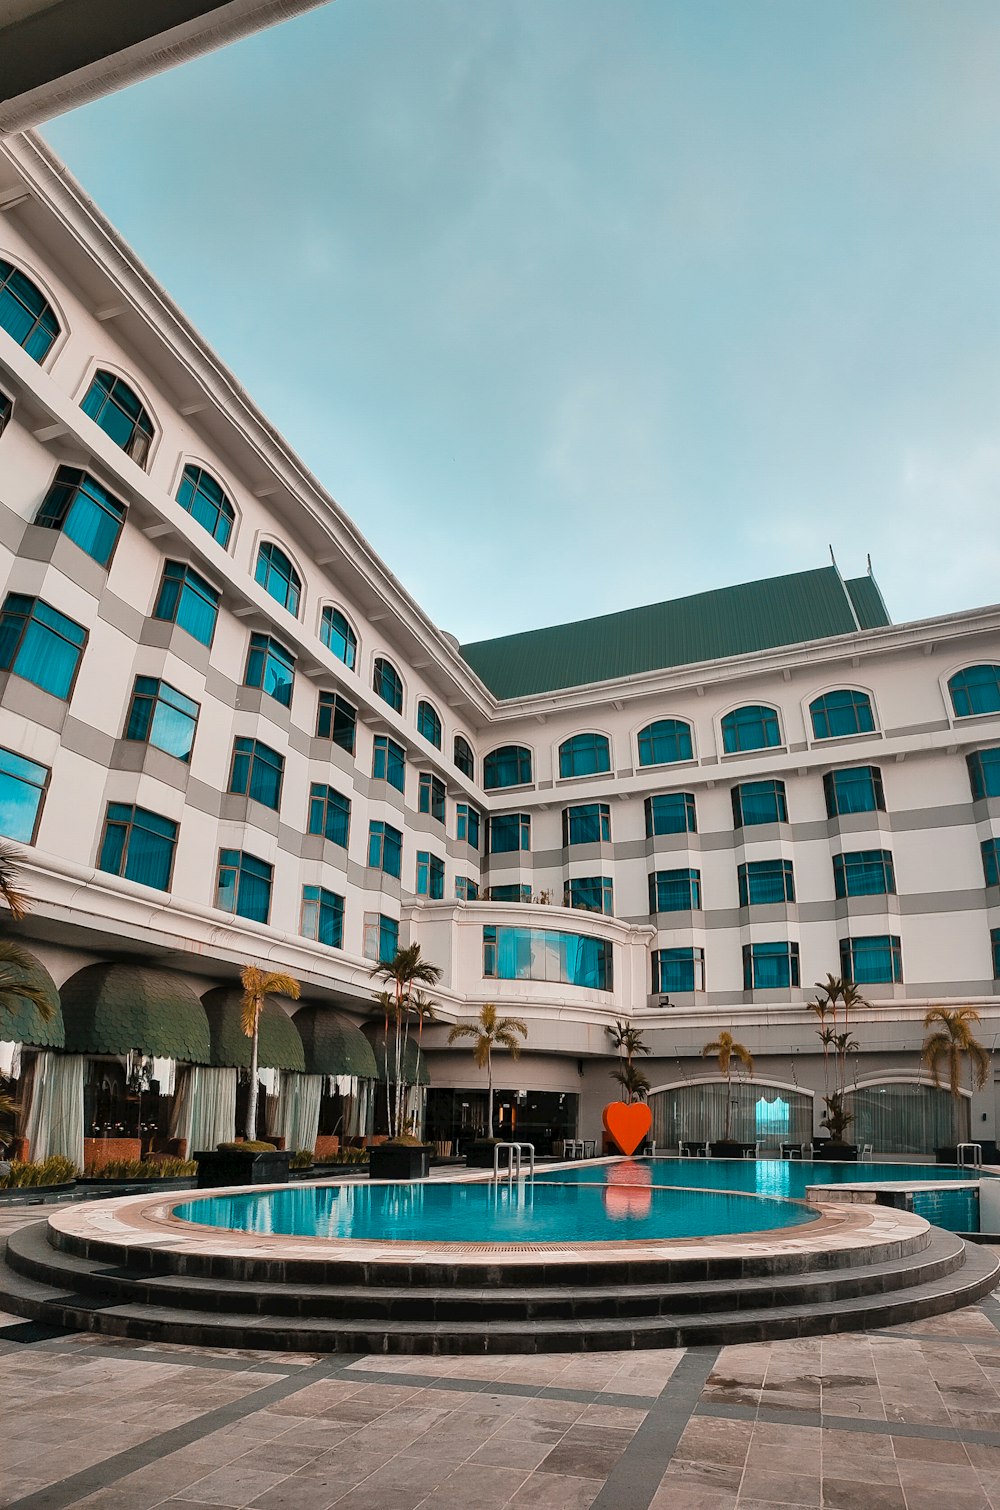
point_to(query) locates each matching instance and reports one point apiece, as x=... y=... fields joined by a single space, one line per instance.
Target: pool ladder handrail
x=970 y=1154
x=513 y=1151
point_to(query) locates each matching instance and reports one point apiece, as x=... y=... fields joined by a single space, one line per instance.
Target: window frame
x=424 y=706
x=58 y=335
x=467 y=766
x=6 y=410
x=382 y=666
x=430 y=875
x=155 y=700
x=833 y=810
x=327 y=613
x=267 y=569
x=29 y=618
x=387 y=928
x=980 y=772
x=730 y=722
x=42 y=789
x=679 y=955
x=380 y=830
x=432 y=796
x=769 y=949
x=682 y=876
x=129 y=826
x=225 y=509
x=679 y=727
x=853 y=868
x=181 y=585
x=319 y=902
x=603 y=820
x=816 y=713
x=581 y=747
x=141 y=442
x=606 y=887
x=238 y=871
x=848 y=958
x=781 y=802
x=749 y=871
x=387 y=747
x=989 y=850
x=253 y=759
x=468 y=817
x=334 y=703
x=268 y=649
x=690 y=811
x=324 y=799
x=523 y=822
x=518 y=751
x=73 y=492
x=962 y=671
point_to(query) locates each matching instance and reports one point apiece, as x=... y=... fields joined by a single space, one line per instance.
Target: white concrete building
x=227 y=733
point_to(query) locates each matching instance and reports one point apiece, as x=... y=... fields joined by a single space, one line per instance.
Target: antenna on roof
x=869 y=563
x=833 y=557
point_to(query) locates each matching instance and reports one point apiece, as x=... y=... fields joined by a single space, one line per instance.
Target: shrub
x=156 y=1167
x=302 y=1158
x=246 y=1147
x=343 y=1156
x=53 y=1171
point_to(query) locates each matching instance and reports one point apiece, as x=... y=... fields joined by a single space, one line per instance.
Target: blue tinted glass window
x=666 y=741
x=329 y=814
x=385 y=848
x=22 y=788
x=271 y=668
x=428 y=723
x=759 y=802
x=864 y=873
x=510 y=893
x=25 y=313
x=337 y=720
x=185 y=599
x=467 y=821
x=431 y=796
x=85 y=512
x=464 y=758
x=858 y=790
x=278 y=577
x=770 y=967
x=674 y=890
x=466 y=890
x=40 y=644
x=113 y=405
x=991 y=861
x=338 y=636
x=138 y=845
x=678 y=970
x=590 y=823
x=543 y=954
x=836 y=714
x=430 y=876
x=256 y=772
x=591 y=893
x=509 y=832
x=160 y=715
x=984 y=773
x=205 y=501
x=765 y=881
x=381 y=937
x=995 y=949
x=388 y=684
x=508 y=766
x=244 y=885
x=751 y=728
x=323 y=916
x=671 y=813
x=975 y=690
x=872 y=961
x=389 y=761
x=584 y=755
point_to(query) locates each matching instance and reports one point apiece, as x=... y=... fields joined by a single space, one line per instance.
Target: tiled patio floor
x=901 y=1419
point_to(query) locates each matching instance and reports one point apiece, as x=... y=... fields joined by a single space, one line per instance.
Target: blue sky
x=579 y=304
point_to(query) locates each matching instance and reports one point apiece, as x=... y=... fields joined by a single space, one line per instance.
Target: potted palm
x=404 y=1155
x=838 y=1041
x=731 y=1055
x=627 y=1121
x=488 y=1032
x=949 y=1042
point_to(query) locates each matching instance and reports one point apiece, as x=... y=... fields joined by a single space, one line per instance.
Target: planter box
x=395 y=1161
x=115 y=1187
x=219 y=1166
x=20 y=1194
x=479 y=1155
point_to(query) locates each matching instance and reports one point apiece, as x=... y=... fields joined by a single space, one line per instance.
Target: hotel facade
x=228 y=734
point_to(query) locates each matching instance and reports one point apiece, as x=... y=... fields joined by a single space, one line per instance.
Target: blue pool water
x=782 y=1177
x=488 y=1213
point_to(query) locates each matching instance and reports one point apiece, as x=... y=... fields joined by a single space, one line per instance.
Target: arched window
x=464 y=758
x=584 y=755
x=338 y=636
x=664 y=742
x=508 y=766
x=975 y=690
x=278 y=576
x=842 y=712
x=428 y=723
x=751 y=728
x=25 y=313
x=388 y=684
x=113 y=405
x=205 y=501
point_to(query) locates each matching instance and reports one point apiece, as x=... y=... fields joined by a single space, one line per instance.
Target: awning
x=414 y=1064
x=333 y=1044
x=279 y=1044
x=112 y=1008
x=20 y=1019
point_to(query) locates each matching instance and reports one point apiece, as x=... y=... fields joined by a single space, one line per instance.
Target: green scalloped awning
x=334 y=1045
x=112 y=1008
x=20 y=1019
x=415 y=1070
x=279 y=1045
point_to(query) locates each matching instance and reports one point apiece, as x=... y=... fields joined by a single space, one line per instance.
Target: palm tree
x=402 y=975
x=633 y=1082
x=258 y=985
x=16 y=901
x=627 y=1040
x=490 y=1032
x=950 y=1039
x=17 y=979
x=730 y=1055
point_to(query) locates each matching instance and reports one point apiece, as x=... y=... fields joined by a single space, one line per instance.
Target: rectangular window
x=510 y=832
x=590 y=823
x=510 y=894
x=244 y=885
x=671 y=813
x=864 y=873
x=430 y=876
x=138 y=845
x=571 y=959
x=877 y=960
x=759 y=802
x=256 y=772
x=995 y=948
x=40 y=644
x=770 y=967
x=765 y=881
x=466 y=890
x=381 y=941
x=22 y=790
x=160 y=715
x=591 y=893
x=991 y=861
x=85 y=512
x=467 y=820
x=337 y=720
x=389 y=762
x=271 y=668
x=431 y=796
x=323 y=916
x=185 y=599
x=858 y=790
x=329 y=814
x=678 y=970
x=6 y=411
x=385 y=849
x=675 y=891
x=984 y=773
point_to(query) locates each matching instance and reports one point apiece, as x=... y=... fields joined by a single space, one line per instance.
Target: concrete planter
x=726 y=1148
x=19 y=1194
x=399 y=1161
x=836 y=1153
x=480 y=1155
x=231 y=1166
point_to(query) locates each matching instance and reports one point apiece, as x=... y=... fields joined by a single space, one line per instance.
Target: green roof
x=415 y=1070
x=279 y=1046
x=20 y=1019
x=708 y=626
x=110 y=1009
x=333 y=1045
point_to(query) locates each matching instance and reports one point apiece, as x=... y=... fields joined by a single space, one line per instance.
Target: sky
x=575 y=305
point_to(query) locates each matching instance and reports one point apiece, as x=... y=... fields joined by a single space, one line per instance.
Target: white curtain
x=357 y=1101
x=54 y=1122
x=298 y=1109
x=204 y=1110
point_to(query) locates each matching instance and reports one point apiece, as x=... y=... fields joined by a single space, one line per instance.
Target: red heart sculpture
x=627 y=1125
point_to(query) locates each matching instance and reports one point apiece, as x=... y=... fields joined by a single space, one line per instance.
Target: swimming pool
x=787 y=1178
x=496 y=1213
